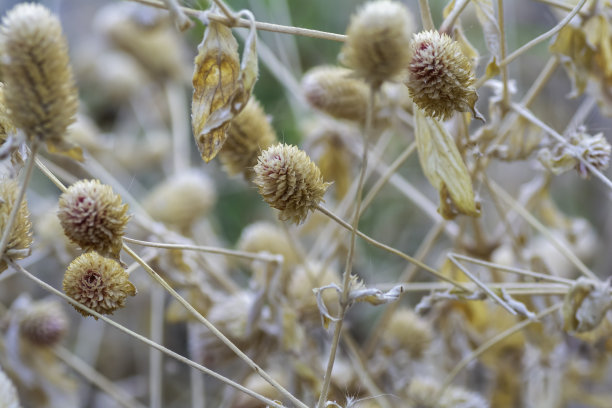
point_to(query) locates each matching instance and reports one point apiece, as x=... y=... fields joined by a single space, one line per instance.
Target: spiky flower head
x=249 y=133
x=182 y=199
x=264 y=236
x=39 y=86
x=97 y=282
x=20 y=238
x=377 y=41
x=408 y=331
x=289 y=181
x=93 y=217
x=333 y=91
x=440 y=76
x=8 y=393
x=595 y=150
x=44 y=323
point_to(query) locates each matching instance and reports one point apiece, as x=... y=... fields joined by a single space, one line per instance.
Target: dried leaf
x=586 y=304
x=66 y=149
x=492 y=69
x=578 y=56
x=486 y=16
x=222 y=86
x=443 y=166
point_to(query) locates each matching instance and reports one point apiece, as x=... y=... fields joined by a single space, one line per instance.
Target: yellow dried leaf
x=221 y=85
x=579 y=54
x=492 y=69
x=443 y=166
x=66 y=149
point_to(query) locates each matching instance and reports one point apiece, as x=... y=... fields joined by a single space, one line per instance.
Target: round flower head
x=333 y=91
x=44 y=323
x=97 y=282
x=20 y=238
x=377 y=41
x=440 y=76
x=181 y=199
x=93 y=217
x=39 y=85
x=595 y=150
x=250 y=132
x=409 y=332
x=289 y=181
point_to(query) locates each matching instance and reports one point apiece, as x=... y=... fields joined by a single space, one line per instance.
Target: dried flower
x=8 y=393
x=181 y=199
x=377 y=41
x=332 y=90
x=39 y=86
x=306 y=278
x=44 y=323
x=266 y=237
x=586 y=304
x=93 y=217
x=289 y=181
x=249 y=133
x=440 y=76
x=6 y=126
x=97 y=282
x=409 y=332
x=20 y=238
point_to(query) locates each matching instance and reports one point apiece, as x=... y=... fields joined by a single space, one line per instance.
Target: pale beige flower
x=97 y=282
x=44 y=323
x=20 y=239
x=289 y=181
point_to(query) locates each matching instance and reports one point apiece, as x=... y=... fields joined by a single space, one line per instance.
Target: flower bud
x=39 y=85
x=440 y=76
x=377 y=41
x=289 y=181
x=97 y=282
x=333 y=91
x=93 y=217
x=249 y=133
x=20 y=239
x=44 y=323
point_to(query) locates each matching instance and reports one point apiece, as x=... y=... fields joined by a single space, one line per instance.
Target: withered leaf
x=221 y=86
x=443 y=166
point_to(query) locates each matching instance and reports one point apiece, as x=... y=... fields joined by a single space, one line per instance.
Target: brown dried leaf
x=222 y=86
x=443 y=166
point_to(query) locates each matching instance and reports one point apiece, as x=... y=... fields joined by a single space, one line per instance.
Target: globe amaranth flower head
x=93 y=217
x=440 y=76
x=378 y=36
x=44 y=323
x=39 y=85
x=20 y=238
x=97 y=282
x=289 y=181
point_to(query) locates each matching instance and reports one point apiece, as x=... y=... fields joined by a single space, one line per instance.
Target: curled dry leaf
x=221 y=85
x=586 y=304
x=444 y=168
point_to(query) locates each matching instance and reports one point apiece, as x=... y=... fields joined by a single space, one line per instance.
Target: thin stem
x=449 y=21
x=45 y=170
x=8 y=228
x=502 y=41
x=542 y=37
x=178 y=15
x=143 y=339
x=175 y=96
x=212 y=328
x=559 y=245
x=492 y=342
x=95 y=378
x=155 y=357
x=426 y=18
x=241 y=22
x=524 y=112
x=351 y=250
x=211 y=250
x=228 y=13
x=481 y=285
x=394 y=251
x=518 y=271
x=562 y=6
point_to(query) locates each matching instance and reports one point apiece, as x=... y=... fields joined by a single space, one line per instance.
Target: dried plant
x=382 y=249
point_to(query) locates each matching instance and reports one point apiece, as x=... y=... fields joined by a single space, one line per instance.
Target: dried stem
x=449 y=21
x=502 y=43
x=155 y=357
x=426 y=18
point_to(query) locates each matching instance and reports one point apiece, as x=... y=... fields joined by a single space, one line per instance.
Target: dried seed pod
x=93 y=217
x=8 y=393
x=20 y=239
x=586 y=304
x=440 y=76
x=332 y=90
x=39 y=85
x=289 y=181
x=249 y=133
x=409 y=332
x=44 y=323
x=181 y=199
x=377 y=41
x=97 y=282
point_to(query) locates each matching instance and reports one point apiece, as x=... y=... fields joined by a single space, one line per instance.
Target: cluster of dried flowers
x=253 y=268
